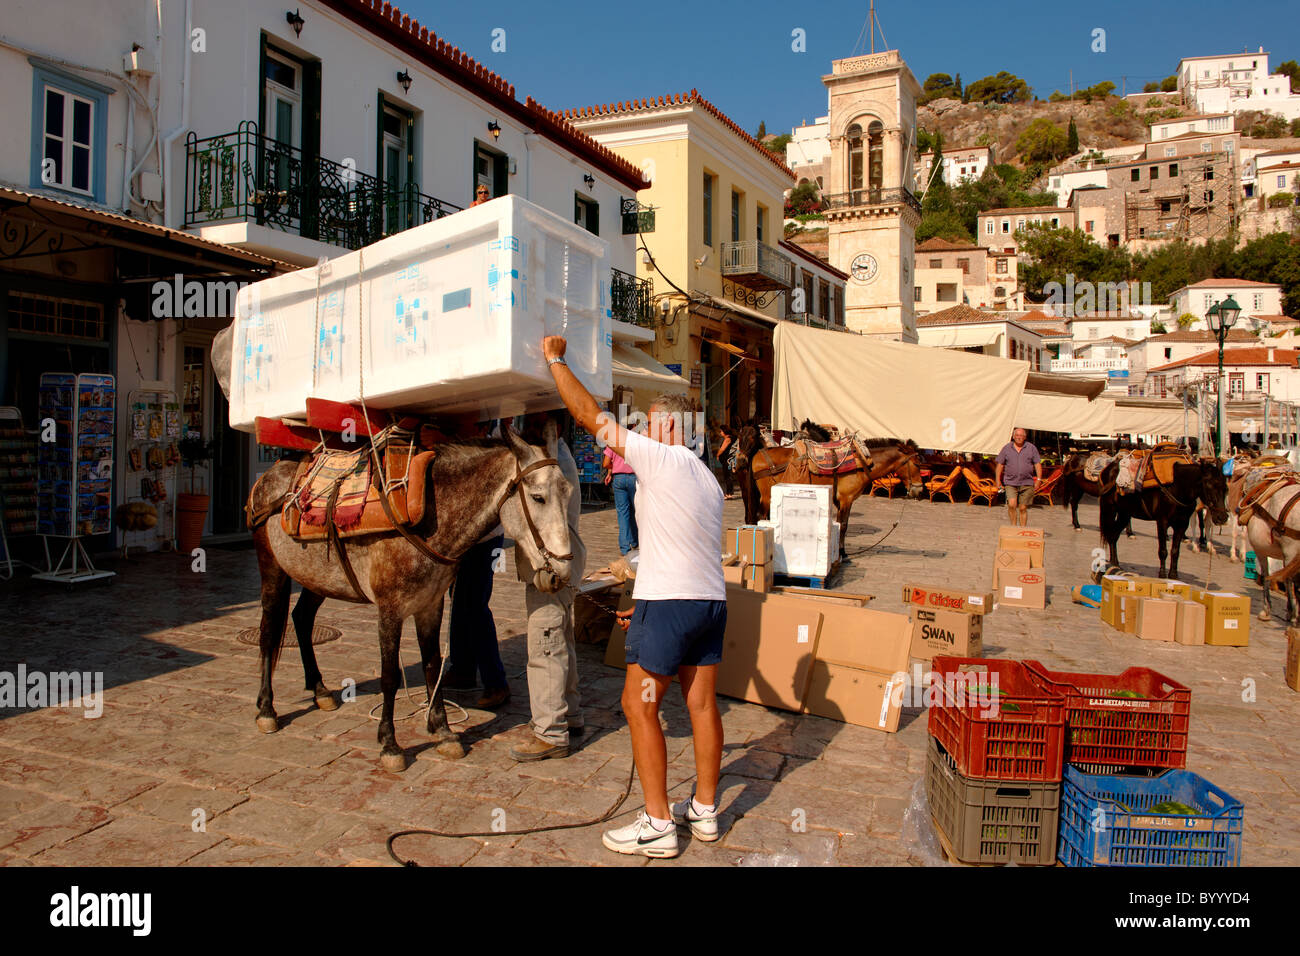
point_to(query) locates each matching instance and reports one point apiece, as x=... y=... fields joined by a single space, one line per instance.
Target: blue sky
x=738 y=53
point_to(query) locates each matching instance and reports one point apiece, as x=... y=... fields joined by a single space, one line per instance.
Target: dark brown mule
x=1169 y=505
x=768 y=467
x=478 y=483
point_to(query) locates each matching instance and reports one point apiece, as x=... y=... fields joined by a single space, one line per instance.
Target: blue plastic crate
x=1105 y=821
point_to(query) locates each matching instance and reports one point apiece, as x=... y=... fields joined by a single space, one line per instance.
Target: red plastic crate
x=1023 y=740
x=1135 y=719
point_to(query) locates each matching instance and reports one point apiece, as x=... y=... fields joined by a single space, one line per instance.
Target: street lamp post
x=1222 y=316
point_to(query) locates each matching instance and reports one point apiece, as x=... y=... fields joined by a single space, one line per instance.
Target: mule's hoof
x=393 y=763
x=326 y=701
x=1264 y=615
x=1077 y=530
x=268 y=725
x=450 y=750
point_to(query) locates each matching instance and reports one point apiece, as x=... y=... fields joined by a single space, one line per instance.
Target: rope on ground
x=607 y=815
x=892 y=528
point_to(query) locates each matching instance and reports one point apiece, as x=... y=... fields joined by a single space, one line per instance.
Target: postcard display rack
x=74 y=480
x=152 y=455
x=17 y=485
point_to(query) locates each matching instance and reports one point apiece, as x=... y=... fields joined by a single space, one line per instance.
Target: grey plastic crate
x=992 y=821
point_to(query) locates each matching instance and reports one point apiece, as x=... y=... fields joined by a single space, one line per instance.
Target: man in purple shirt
x=1020 y=469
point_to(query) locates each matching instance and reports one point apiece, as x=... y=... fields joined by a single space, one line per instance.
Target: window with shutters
x=69 y=133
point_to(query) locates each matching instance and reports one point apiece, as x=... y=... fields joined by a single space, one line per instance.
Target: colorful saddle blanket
x=340 y=488
x=832 y=458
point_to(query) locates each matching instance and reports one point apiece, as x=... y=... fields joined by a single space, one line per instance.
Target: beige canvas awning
x=1150 y=417
x=939 y=398
x=1064 y=413
x=634 y=369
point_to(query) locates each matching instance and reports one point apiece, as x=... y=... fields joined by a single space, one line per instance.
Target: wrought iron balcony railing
x=756 y=265
x=872 y=197
x=630 y=299
x=245 y=175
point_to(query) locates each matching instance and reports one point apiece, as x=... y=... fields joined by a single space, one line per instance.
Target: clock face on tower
x=864 y=267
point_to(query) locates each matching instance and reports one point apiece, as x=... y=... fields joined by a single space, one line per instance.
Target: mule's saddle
x=833 y=458
x=338 y=493
x=1142 y=470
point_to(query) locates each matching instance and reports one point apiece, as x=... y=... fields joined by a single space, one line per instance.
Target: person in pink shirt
x=622 y=481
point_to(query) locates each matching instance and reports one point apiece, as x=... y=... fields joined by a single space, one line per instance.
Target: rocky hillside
x=1101 y=124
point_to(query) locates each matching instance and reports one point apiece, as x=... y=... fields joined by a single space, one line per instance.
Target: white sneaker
x=703 y=828
x=640 y=837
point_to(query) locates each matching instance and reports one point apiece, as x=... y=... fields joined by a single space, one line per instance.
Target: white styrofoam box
x=805 y=529
x=448 y=316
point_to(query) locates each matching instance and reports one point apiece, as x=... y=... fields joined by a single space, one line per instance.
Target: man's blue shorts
x=665 y=635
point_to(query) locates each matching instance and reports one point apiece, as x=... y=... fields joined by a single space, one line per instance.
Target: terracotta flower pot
x=191 y=515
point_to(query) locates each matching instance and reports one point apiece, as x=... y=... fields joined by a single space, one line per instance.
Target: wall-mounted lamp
x=590 y=180
x=296 y=21
x=494 y=128
x=405 y=79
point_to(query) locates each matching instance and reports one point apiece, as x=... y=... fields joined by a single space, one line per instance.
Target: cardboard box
x=855 y=695
x=754 y=545
x=1013 y=560
x=1173 y=590
x=1035 y=546
x=818 y=653
x=1130 y=606
x=1027 y=589
x=1189 y=626
x=946 y=599
x=768 y=649
x=615 y=650
x=1293 y=658
x=946 y=632
x=820 y=594
x=1157 y=619
x=1112 y=586
x=1227 y=618
x=758 y=577
x=860 y=666
x=733 y=569
x=1020 y=531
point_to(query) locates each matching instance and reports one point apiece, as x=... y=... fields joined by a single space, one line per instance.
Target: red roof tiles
x=677 y=99
x=387 y=22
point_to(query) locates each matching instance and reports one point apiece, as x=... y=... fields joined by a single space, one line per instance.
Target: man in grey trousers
x=552 y=655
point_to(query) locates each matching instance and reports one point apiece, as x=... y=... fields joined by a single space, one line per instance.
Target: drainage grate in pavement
x=320 y=634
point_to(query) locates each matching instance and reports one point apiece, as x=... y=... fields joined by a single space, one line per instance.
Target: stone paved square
x=175 y=772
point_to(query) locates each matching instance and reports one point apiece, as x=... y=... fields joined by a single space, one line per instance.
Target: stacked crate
x=993 y=773
x=1125 y=798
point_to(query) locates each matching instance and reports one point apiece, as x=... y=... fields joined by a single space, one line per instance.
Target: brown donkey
x=768 y=467
x=478 y=483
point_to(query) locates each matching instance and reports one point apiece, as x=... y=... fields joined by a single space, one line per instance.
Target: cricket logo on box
x=937 y=600
x=1031 y=579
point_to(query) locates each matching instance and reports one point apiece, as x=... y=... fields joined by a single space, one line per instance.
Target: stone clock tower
x=871 y=210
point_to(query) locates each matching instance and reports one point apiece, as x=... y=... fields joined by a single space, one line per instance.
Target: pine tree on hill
x=1072 y=141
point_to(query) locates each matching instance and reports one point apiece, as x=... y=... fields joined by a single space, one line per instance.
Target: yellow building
x=720 y=282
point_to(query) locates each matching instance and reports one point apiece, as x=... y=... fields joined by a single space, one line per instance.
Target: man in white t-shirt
x=676 y=624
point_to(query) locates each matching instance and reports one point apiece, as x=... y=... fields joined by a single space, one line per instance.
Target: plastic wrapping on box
x=448 y=316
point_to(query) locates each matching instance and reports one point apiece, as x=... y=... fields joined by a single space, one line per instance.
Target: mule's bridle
x=516 y=485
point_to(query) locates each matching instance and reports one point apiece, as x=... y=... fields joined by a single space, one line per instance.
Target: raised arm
x=578 y=400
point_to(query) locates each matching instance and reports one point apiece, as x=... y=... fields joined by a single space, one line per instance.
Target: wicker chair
x=985 y=488
x=944 y=486
x=888 y=484
x=1049 y=485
